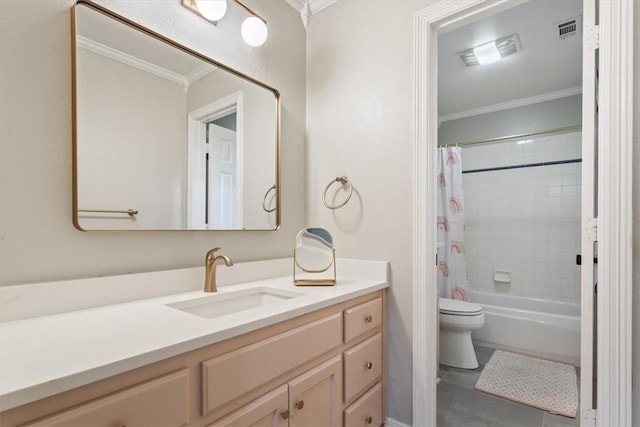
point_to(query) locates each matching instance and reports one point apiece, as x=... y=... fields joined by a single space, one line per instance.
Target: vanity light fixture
x=212 y=10
x=493 y=51
x=254 y=28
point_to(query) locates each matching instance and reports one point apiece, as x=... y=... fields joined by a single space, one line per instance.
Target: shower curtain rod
x=522 y=135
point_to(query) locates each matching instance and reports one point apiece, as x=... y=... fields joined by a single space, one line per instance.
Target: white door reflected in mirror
x=223 y=195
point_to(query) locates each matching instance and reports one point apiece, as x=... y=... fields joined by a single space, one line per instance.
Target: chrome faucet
x=211 y=261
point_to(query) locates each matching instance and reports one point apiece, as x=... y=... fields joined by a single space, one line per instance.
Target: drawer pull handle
x=369 y=365
x=368 y=319
x=285 y=415
x=369 y=419
x=300 y=404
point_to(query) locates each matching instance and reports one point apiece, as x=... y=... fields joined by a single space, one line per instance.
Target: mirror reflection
x=314 y=256
x=165 y=138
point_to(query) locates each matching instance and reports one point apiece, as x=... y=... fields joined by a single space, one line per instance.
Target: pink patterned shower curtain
x=452 y=262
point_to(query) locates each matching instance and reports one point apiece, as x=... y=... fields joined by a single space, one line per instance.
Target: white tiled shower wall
x=524 y=220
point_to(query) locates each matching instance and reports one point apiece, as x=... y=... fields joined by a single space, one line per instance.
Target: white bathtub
x=548 y=329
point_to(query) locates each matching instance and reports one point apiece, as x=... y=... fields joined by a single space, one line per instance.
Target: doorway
x=615 y=27
x=509 y=214
x=215 y=164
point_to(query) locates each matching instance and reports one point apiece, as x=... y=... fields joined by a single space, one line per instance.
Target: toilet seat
x=454 y=307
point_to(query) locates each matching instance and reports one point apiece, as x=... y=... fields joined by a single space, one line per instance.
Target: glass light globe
x=254 y=31
x=213 y=10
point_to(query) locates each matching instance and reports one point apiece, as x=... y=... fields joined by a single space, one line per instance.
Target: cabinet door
x=269 y=410
x=315 y=396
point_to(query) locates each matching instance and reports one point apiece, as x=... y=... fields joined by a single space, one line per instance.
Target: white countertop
x=45 y=355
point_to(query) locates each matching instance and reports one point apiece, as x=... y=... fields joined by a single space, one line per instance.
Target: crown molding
x=200 y=72
x=550 y=96
x=130 y=60
x=316 y=5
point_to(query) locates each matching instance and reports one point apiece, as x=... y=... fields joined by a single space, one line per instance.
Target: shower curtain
x=452 y=263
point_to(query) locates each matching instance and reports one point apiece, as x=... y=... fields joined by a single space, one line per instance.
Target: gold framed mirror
x=166 y=138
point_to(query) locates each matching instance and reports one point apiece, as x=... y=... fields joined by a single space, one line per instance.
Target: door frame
x=197 y=130
x=614 y=224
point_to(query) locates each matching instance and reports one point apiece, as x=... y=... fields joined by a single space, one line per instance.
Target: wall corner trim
x=615 y=222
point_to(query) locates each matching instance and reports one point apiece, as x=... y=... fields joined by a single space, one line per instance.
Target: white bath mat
x=543 y=384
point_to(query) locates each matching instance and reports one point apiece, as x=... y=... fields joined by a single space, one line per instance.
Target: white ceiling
x=545 y=65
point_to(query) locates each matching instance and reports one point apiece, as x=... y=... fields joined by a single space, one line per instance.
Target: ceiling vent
x=501 y=48
x=568 y=27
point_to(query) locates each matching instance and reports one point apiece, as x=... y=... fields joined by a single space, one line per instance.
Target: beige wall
x=37 y=239
x=129 y=123
x=360 y=123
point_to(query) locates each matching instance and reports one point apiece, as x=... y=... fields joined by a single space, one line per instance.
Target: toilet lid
x=459 y=308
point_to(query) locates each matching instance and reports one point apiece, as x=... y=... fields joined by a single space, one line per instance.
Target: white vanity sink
x=217 y=305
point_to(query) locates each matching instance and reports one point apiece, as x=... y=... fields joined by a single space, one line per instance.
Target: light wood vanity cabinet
x=366 y=411
x=270 y=410
x=138 y=405
x=248 y=367
x=363 y=364
x=323 y=368
x=311 y=399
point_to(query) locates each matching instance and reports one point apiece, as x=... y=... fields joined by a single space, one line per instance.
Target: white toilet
x=457 y=320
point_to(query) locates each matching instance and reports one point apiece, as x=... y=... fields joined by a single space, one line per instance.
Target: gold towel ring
x=264 y=200
x=344 y=181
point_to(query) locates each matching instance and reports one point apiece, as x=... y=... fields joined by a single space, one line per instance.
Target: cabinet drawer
x=362 y=366
x=229 y=376
x=362 y=318
x=366 y=411
x=269 y=410
x=163 y=401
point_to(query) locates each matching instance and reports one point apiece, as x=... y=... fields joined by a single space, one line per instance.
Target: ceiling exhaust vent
x=500 y=48
x=568 y=27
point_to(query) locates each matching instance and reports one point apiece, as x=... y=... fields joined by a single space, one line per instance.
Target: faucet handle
x=210 y=253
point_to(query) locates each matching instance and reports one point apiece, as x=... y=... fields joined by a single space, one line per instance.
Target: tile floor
x=460 y=405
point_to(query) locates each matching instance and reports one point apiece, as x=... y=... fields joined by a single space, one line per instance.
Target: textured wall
x=360 y=123
x=37 y=239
